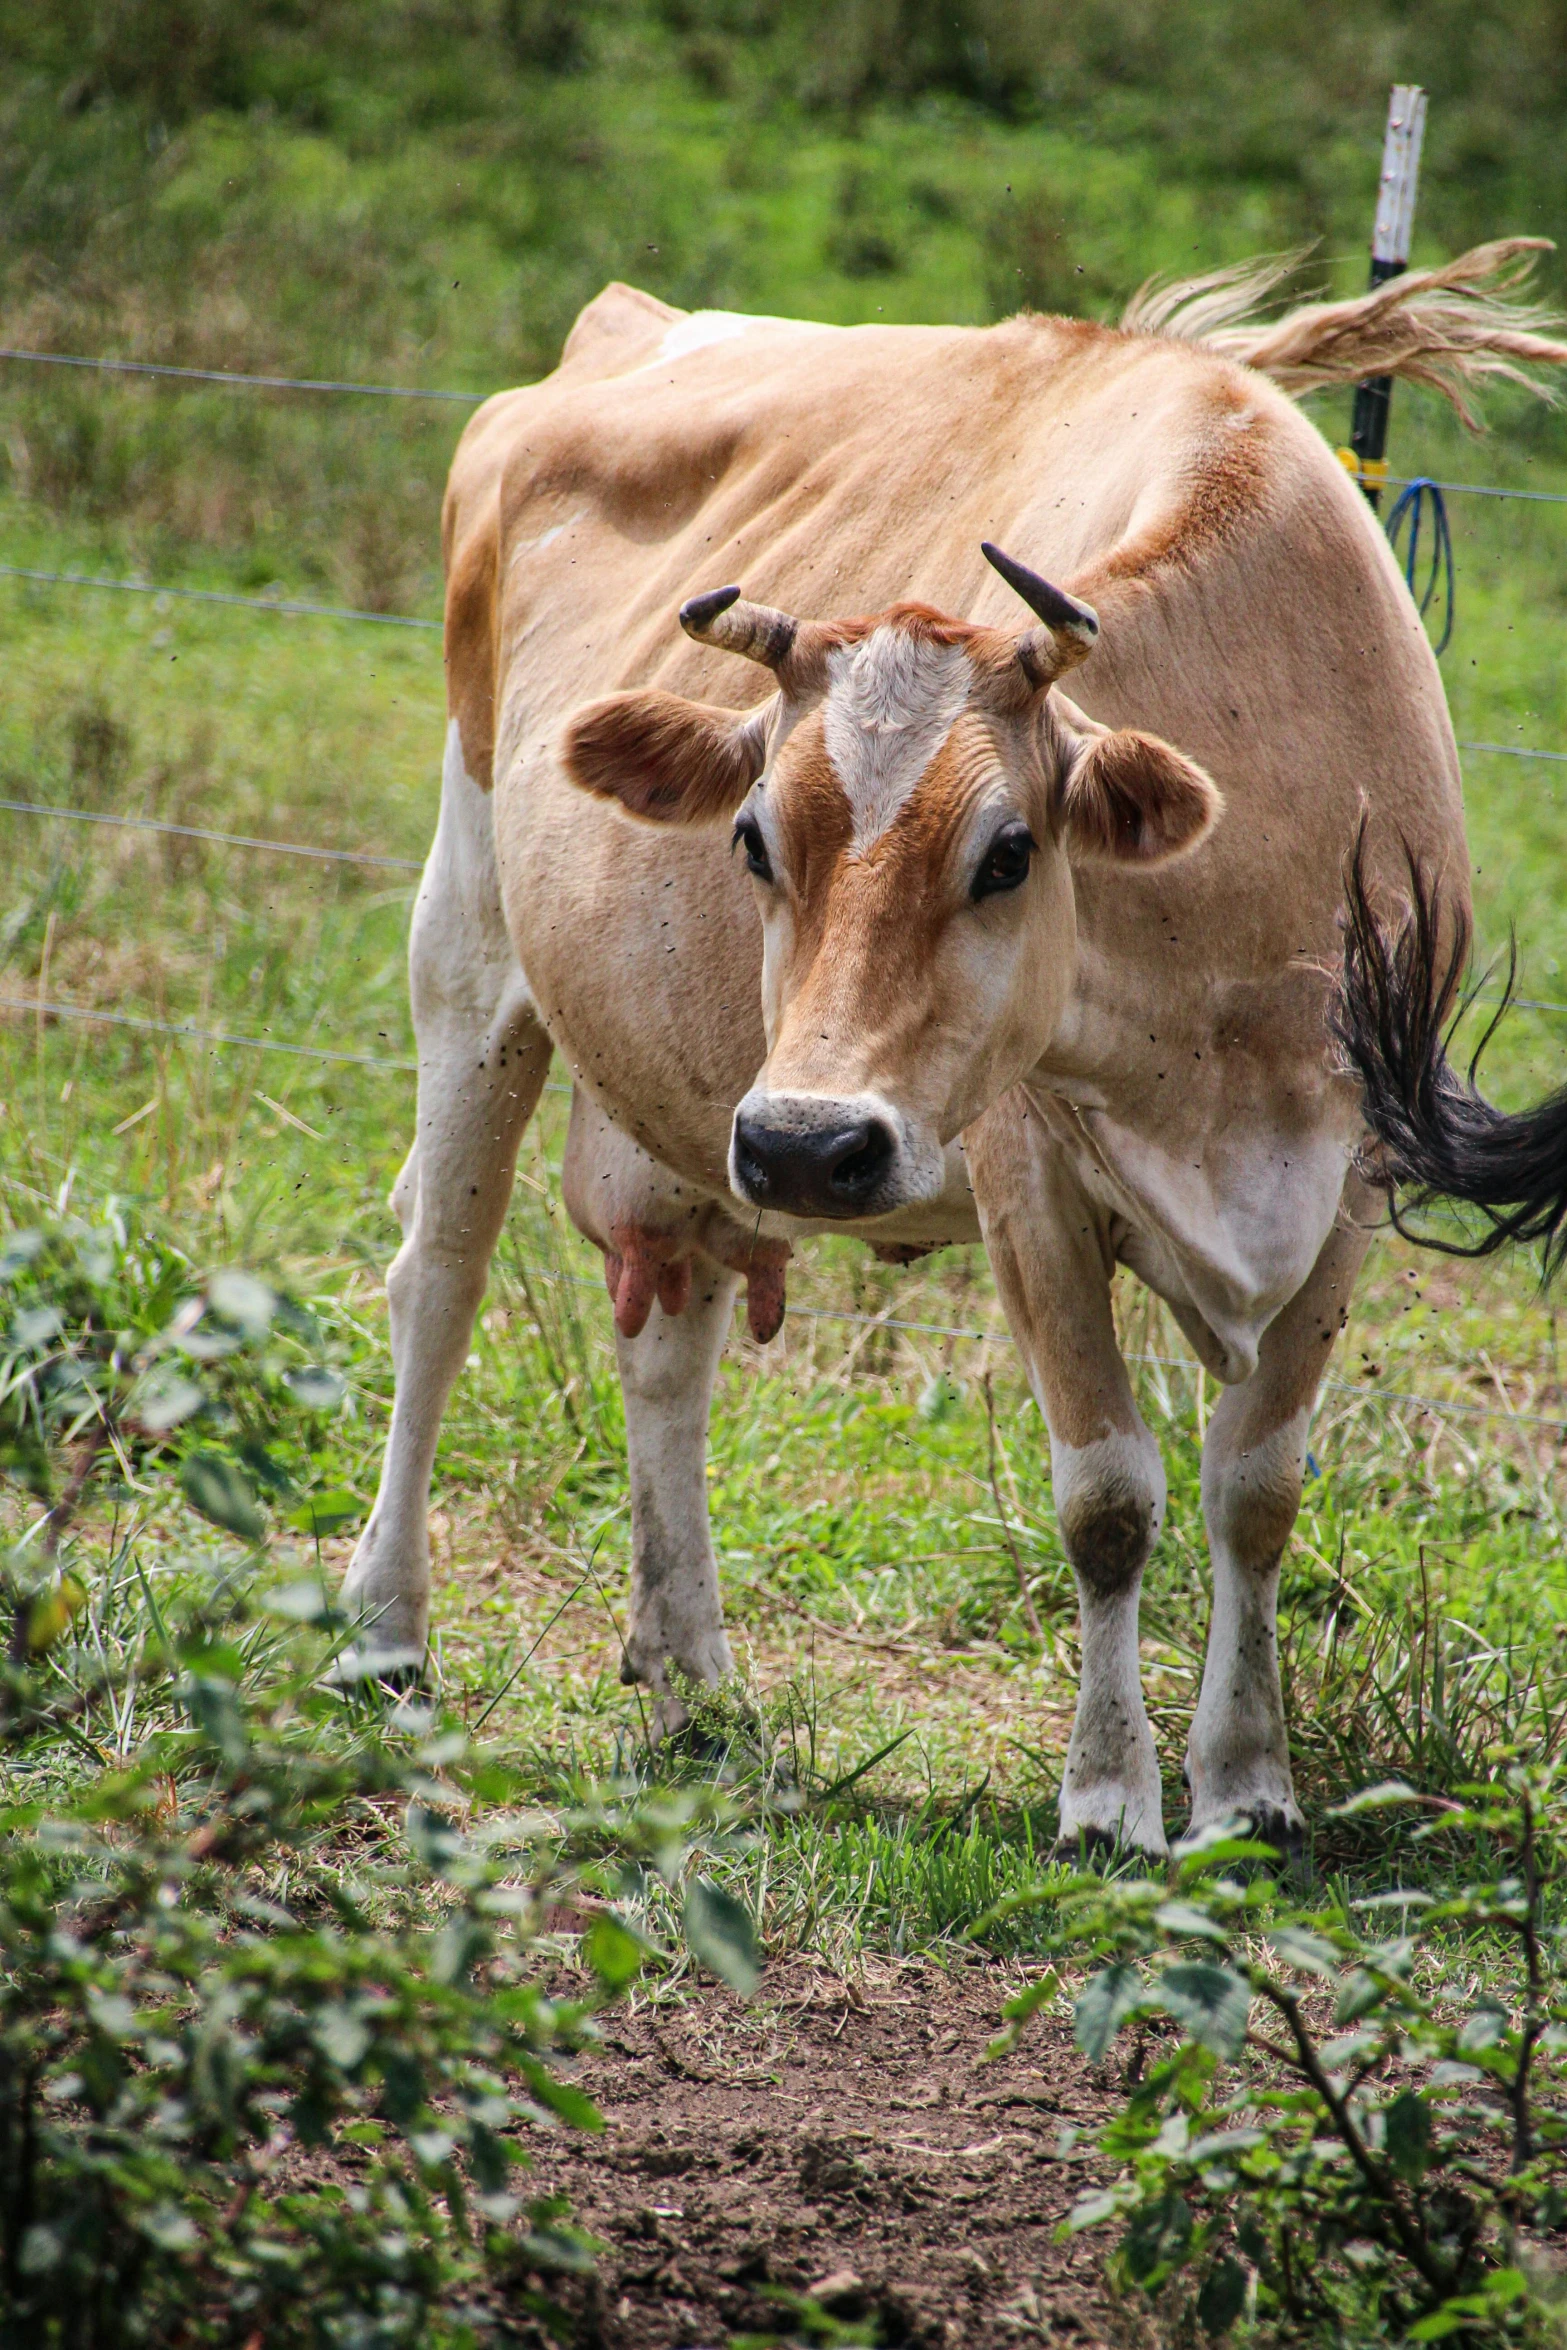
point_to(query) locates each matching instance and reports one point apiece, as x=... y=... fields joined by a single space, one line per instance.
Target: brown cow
x=982 y=960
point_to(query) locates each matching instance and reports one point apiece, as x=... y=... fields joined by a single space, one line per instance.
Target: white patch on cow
x=1110 y=1786
x=1237 y=1758
x=705 y=327
x=891 y=704
x=547 y=538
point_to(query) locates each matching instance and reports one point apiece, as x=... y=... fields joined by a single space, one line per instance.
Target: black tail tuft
x=1437 y=1137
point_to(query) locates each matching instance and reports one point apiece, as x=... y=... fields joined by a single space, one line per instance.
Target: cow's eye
x=1005 y=863
x=749 y=835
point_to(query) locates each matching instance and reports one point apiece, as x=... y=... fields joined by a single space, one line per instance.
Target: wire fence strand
x=257 y=1044
x=230 y=840
x=224 y=375
x=281 y=604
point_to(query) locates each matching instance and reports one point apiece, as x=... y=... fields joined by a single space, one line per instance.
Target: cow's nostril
x=859 y=1159
x=812 y=1171
x=753 y=1155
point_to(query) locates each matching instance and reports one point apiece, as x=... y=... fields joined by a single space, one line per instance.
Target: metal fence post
x=1366 y=456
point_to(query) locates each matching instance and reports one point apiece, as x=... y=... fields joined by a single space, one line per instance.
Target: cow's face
x=910 y=805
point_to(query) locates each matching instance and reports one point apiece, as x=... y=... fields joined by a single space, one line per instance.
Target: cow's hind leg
x=483 y=1057
x=1253 y=1461
x=1050 y=1250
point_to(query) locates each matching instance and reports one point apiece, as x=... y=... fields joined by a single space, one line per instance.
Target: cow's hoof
x=366 y=1670
x=1103 y=1849
x=1263 y=1823
x=1271 y=1824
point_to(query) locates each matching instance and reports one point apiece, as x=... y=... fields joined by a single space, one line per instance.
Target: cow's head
x=910 y=803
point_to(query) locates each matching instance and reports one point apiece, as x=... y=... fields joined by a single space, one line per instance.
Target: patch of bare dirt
x=839 y=2139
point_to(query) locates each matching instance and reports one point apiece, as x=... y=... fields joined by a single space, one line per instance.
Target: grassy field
x=879 y=1475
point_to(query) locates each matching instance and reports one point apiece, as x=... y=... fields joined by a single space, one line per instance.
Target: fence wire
x=148 y=587
x=224 y=375
x=230 y=840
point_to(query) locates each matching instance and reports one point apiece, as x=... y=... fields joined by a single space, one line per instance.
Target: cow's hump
x=619 y=328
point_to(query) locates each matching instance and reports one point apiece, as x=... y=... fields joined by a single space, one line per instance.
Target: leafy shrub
x=278 y=1998
x=1349 y=2134
x=117 y=1354
x=273 y=2016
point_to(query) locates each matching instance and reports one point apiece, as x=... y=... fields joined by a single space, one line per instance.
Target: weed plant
x=1331 y=2129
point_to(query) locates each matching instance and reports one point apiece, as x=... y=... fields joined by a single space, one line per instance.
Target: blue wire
x=1410 y=506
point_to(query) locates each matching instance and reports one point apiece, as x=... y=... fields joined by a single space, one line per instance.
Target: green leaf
x=316 y=1387
x=1500 y=2290
x=243 y=1300
x=1483 y=2029
x=1156 y=2240
x=1361 y=1993
x=41 y=2246
x=1185 y=1919
x=612 y=1950
x=1033 y=1996
x=165 y=1399
x=214 y=1708
x=219 y=1490
x=1223 y=2296
x=303 y=1603
x=1311 y=1954
x=326 y=1513
x=1378 y=1798
x=171 y=2229
x=1407 y=2127
x=570 y=2249
x=1210 y=2003
x=1224 y=2145
x=21 y=1250
x=340 y=2034
x=36 y=1327
x=720 y=1933
x=52 y=1614
x=1103 y=2006
x=1218 y=1845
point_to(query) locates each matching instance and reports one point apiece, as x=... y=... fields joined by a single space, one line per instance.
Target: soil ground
x=843 y=2140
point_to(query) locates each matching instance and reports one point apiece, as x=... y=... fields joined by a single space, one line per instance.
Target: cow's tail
x=1450 y=328
x=1436 y=1136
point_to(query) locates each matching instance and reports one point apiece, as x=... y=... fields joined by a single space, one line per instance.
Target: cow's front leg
x=666 y=1375
x=1253 y=1460
x=1049 y=1247
x=673 y=1262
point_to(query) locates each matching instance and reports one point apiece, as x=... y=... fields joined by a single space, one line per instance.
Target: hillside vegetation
x=426 y=191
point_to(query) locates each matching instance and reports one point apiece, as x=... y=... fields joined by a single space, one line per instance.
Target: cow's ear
x=666 y=759
x=1126 y=798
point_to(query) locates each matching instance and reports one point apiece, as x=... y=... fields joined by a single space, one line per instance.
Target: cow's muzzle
x=838 y=1166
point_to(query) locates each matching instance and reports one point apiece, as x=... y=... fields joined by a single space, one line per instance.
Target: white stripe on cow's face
x=891 y=704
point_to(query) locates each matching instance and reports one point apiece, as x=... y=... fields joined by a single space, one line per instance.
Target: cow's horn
x=723 y=617
x=1060 y=613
